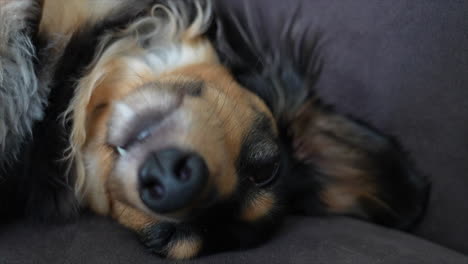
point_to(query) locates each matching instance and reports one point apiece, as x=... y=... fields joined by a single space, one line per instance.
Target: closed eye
x=260 y=157
x=263 y=172
x=262 y=176
x=136 y=137
x=142 y=128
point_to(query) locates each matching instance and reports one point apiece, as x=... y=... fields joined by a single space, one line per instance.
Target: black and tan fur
x=271 y=148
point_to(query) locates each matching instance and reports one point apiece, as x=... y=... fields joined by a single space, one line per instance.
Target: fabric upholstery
x=302 y=240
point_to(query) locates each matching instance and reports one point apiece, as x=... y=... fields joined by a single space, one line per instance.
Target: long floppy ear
x=352 y=169
x=340 y=166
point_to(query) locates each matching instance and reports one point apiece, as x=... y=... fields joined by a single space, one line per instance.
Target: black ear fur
x=339 y=165
x=270 y=64
x=355 y=170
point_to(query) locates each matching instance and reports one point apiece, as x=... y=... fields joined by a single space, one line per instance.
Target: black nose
x=171 y=179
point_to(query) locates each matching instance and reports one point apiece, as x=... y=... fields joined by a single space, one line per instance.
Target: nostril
x=183 y=172
x=156 y=190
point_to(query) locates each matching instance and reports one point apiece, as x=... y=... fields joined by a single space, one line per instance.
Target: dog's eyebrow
x=259 y=145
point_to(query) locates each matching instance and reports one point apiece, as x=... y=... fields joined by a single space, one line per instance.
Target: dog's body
x=142 y=93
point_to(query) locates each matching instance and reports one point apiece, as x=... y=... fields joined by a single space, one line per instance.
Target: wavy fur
x=21 y=99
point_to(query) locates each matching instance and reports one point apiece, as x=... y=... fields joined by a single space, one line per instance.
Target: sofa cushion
x=95 y=239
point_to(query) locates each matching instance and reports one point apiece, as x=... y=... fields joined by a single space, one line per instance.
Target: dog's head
x=160 y=126
x=187 y=139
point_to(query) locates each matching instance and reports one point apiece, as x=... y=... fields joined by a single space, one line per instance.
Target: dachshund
x=157 y=114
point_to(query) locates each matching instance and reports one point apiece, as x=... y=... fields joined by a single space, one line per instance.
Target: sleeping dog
x=155 y=114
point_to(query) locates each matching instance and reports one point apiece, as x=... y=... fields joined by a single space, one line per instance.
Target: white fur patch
x=124 y=111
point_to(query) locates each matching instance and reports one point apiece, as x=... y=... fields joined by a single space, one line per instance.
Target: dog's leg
x=176 y=241
x=352 y=169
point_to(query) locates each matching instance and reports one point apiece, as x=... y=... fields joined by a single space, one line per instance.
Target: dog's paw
x=172 y=240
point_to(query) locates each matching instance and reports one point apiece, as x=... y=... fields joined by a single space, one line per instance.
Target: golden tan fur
x=184 y=249
x=130 y=217
x=349 y=175
x=261 y=205
x=65 y=17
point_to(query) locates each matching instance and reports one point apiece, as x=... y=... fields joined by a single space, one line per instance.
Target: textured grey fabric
x=302 y=240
